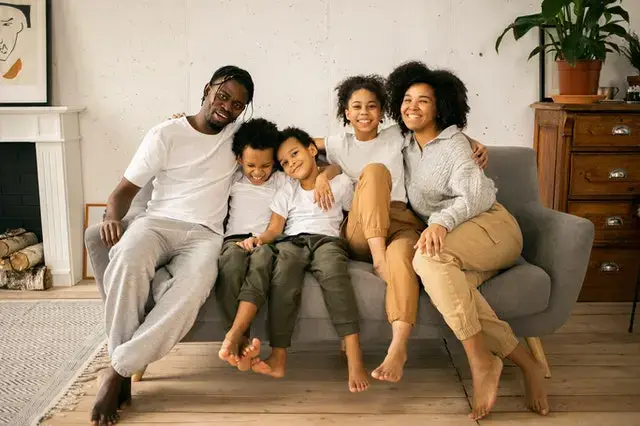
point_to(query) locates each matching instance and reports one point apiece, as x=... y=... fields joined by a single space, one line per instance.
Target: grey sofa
x=535 y=296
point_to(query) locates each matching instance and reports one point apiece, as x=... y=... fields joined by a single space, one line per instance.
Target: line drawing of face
x=12 y=21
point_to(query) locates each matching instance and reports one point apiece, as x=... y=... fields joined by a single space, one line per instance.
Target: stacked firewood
x=22 y=261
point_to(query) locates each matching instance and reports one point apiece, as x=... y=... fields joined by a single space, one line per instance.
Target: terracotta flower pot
x=582 y=79
x=633 y=80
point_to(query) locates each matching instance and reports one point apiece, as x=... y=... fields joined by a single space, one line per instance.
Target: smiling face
x=297 y=161
x=418 y=107
x=12 y=22
x=224 y=103
x=257 y=164
x=363 y=111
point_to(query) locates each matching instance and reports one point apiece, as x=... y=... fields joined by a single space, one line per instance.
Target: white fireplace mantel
x=56 y=133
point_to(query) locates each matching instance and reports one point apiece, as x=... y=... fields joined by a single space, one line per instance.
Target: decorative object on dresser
x=579 y=35
x=589 y=166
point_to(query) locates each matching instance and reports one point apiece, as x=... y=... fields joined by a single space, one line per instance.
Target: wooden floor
x=595 y=365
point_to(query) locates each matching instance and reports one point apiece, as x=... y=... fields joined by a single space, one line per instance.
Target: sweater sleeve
x=473 y=192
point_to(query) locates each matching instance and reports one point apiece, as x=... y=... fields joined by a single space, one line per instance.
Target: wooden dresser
x=589 y=165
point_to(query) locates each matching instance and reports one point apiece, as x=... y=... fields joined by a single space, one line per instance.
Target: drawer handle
x=609 y=267
x=617 y=174
x=621 y=130
x=614 y=221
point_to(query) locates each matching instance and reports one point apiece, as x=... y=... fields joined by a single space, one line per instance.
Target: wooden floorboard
x=595 y=365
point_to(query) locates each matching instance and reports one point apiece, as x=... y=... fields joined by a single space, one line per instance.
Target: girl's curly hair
x=372 y=82
x=452 y=104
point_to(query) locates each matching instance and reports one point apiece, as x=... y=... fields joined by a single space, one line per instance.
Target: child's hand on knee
x=250 y=243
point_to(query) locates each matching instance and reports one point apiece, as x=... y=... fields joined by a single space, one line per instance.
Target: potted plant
x=580 y=36
x=632 y=52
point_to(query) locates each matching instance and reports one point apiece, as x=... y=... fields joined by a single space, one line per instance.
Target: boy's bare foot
x=392 y=367
x=535 y=394
x=230 y=349
x=105 y=409
x=485 y=387
x=273 y=366
x=358 y=377
x=250 y=351
x=124 y=398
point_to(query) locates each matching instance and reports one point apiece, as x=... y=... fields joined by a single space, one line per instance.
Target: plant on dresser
x=589 y=165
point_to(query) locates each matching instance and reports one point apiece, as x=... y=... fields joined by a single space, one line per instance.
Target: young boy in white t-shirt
x=245 y=272
x=311 y=243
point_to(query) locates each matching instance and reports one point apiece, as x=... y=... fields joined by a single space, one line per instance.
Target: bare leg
x=486 y=369
x=378 y=247
x=235 y=340
x=274 y=365
x=392 y=367
x=105 y=409
x=358 y=381
x=533 y=371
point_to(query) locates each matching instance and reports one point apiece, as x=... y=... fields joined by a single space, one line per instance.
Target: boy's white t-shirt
x=353 y=155
x=249 y=204
x=191 y=172
x=303 y=216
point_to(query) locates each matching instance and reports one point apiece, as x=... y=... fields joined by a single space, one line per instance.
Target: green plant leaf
x=618 y=10
x=540 y=49
x=551 y=8
x=614 y=29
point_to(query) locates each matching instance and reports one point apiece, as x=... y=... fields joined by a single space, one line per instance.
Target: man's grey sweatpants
x=190 y=253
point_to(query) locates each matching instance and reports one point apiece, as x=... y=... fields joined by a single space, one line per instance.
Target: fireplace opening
x=19 y=196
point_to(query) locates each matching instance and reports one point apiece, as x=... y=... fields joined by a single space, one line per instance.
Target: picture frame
x=25 y=53
x=93 y=214
x=548 y=73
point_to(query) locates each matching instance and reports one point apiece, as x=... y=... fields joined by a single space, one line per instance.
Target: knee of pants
x=262 y=256
x=375 y=171
x=424 y=264
x=232 y=257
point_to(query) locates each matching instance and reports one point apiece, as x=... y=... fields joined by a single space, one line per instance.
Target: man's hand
x=111 y=232
x=250 y=243
x=432 y=240
x=323 y=194
x=480 y=154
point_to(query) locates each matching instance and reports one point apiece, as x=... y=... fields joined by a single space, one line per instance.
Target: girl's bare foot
x=485 y=387
x=230 y=349
x=273 y=366
x=250 y=351
x=392 y=367
x=535 y=392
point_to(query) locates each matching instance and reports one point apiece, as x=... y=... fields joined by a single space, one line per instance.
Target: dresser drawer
x=605 y=174
x=613 y=221
x=611 y=275
x=617 y=130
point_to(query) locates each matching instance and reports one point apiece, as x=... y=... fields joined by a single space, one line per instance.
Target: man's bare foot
x=250 y=351
x=230 y=349
x=273 y=366
x=392 y=367
x=485 y=387
x=535 y=394
x=124 y=398
x=358 y=377
x=105 y=409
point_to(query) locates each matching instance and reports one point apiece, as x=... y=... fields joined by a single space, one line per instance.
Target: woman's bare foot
x=105 y=409
x=230 y=349
x=250 y=351
x=535 y=394
x=485 y=386
x=392 y=366
x=273 y=366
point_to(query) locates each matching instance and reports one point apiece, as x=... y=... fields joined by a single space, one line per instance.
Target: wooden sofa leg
x=137 y=376
x=535 y=344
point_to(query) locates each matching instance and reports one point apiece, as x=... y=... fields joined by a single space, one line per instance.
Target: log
x=12 y=244
x=27 y=257
x=36 y=278
x=12 y=233
x=5 y=264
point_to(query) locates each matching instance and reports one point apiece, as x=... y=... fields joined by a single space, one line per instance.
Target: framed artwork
x=92 y=215
x=548 y=74
x=25 y=52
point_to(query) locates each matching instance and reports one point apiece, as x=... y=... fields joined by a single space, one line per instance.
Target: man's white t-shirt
x=191 y=172
x=303 y=216
x=353 y=155
x=249 y=210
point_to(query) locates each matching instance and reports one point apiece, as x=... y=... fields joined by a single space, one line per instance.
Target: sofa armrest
x=560 y=244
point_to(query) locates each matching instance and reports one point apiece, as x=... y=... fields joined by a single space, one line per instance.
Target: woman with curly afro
x=469 y=237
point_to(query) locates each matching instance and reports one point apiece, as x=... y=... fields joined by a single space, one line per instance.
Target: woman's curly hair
x=452 y=105
x=372 y=82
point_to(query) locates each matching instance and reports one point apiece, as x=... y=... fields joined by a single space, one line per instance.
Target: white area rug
x=44 y=347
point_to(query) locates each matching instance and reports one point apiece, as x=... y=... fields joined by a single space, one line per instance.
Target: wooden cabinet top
x=597 y=107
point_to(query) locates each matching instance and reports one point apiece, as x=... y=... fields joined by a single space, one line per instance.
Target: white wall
x=132 y=63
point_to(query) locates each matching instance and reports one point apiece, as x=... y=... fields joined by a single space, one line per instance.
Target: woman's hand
x=480 y=154
x=323 y=194
x=432 y=240
x=250 y=243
